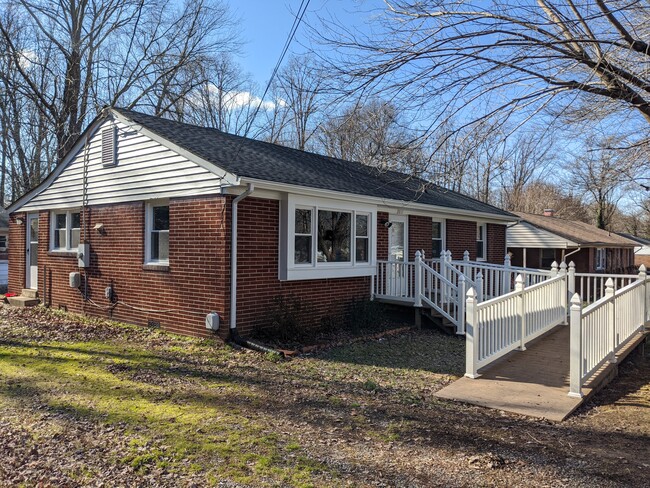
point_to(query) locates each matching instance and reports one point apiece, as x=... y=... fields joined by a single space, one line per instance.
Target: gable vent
x=109 y=140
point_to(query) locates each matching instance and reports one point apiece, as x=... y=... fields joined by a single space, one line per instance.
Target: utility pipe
x=569 y=254
x=233 y=256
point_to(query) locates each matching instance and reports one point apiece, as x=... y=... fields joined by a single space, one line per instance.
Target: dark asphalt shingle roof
x=271 y=162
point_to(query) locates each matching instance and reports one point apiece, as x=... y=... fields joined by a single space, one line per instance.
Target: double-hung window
x=481 y=242
x=437 y=238
x=601 y=259
x=65 y=230
x=157 y=233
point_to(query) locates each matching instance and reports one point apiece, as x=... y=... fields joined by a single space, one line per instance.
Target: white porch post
x=554 y=269
x=643 y=276
x=460 y=325
x=564 y=297
x=479 y=286
x=471 y=336
x=575 y=355
x=507 y=277
x=521 y=311
x=418 y=278
x=571 y=285
x=611 y=318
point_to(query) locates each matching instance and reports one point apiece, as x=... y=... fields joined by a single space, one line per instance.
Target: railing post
x=564 y=297
x=643 y=276
x=479 y=286
x=418 y=279
x=466 y=256
x=554 y=269
x=611 y=318
x=521 y=311
x=460 y=325
x=571 y=284
x=506 y=275
x=471 y=336
x=575 y=348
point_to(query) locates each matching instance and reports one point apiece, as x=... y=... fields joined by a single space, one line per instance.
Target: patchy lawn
x=94 y=403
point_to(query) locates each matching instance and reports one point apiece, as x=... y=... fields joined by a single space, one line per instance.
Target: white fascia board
x=226 y=177
x=88 y=133
x=399 y=204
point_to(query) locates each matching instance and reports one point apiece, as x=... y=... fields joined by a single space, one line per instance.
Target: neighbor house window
x=157 y=233
x=601 y=259
x=65 y=230
x=324 y=238
x=3 y=243
x=437 y=239
x=481 y=241
x=548 y=257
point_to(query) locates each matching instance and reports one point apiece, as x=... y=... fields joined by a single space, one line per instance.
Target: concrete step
x=23 y=301
x=29 y=293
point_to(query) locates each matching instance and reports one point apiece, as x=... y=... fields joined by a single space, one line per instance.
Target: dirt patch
x=93 y=403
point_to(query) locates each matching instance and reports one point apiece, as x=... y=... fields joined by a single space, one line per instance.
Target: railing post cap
x=642 y=268
x=418 y=255
x=563 y=265
x=519 y=279
x=554 y=264
x=471 y=293
x=576 y=301
x=479 y=275
x=609 y=283
x=572 y=264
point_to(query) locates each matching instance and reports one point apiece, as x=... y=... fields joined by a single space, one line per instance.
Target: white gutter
x=233 y=256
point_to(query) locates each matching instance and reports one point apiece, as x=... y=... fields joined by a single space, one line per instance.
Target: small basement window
x=157 y=233
x=65 y=230
x=109 y=146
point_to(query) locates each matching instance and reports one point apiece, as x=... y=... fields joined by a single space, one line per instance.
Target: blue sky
x=266 y=24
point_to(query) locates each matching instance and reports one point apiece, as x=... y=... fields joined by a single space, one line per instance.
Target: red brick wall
x=258 y=286
x=382 y=236
x=496 y=243
x=16 y=252
x=461 y=237
x=420 y=233
x=194 y=284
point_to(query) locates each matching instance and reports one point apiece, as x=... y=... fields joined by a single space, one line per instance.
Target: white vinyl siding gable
x=526 y=235
x=143 y=170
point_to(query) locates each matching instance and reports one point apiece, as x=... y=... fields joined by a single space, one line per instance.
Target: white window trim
x=289 y=270
x=485 y=241
x=68 y=230
x=601 y=259
x=443 y=234
x=148 y=226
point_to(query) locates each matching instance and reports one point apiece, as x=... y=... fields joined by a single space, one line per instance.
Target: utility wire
x=294 y=27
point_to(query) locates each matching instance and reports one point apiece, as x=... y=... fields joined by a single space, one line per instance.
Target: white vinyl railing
x=394 y=279
x=440 y=293
x=601 y=329
x=591 y=286
x=503 y=324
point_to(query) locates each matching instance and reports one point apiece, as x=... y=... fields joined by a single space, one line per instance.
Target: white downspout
x=570 y=253
x=233 y=256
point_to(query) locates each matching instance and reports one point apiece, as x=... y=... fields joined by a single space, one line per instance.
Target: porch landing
x=534 y=382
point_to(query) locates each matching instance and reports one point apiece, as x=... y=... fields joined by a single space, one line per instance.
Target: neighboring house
x=4 y=241
x=163 y=201
x=538 y=240
x=642 y=250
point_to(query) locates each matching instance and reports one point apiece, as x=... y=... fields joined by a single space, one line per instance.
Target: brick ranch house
x=155 y=204
x=538 y=240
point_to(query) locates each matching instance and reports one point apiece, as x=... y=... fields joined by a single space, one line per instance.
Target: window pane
x=302 y=252
x=362 y=250
x=60 y=221
x=75 y=220
x=479 y=249
x=74 y=238
x=33 y=254
x=334 y=236
x=160 y=245
x=437 y=230
x=362 y=225
x=161 y=218
x=436 y=248
x=59 y=238
x=303 y=221
x=479 y=233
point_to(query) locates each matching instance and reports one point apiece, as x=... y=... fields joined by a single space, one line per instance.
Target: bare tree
x=447 y=58
x=70 y=58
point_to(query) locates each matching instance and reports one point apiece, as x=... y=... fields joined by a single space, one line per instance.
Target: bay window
x=65 y=230
x=322 y=239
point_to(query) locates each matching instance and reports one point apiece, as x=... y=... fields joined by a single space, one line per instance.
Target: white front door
x=31 y=274
x=397 y=256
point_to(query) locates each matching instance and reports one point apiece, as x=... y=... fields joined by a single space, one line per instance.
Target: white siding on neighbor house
x=145 y=170
x=526 y=235
x=4 y=272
